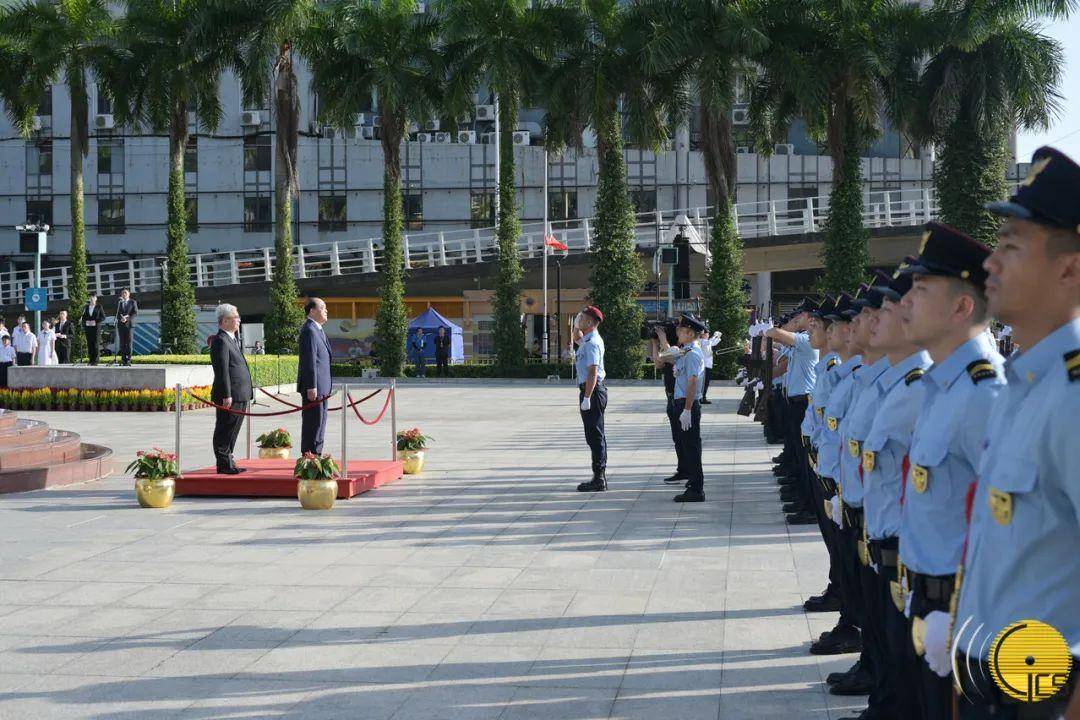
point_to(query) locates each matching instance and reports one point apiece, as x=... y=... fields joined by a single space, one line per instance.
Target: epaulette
x=913 y=375
x=1072 y=364
x=831 y=364
x=979 y=370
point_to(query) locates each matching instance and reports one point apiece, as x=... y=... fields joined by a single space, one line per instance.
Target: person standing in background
x=3 y=330
x=7 y=358
x=442 y=352
x=232 y=388
x=689 y=372
x=313 y=377
x=417 y=343
x=592 y=394
x=46 y=345
x=92 y=317
x=25 y=344
x=707 y=343
x=64 y=329
x=126 y=310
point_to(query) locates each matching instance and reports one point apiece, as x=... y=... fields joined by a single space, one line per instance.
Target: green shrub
x=265 y=369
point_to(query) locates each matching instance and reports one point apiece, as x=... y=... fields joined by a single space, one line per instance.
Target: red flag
x=551 y=242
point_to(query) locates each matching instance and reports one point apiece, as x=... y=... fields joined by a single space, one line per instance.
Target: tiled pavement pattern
x=486 y=588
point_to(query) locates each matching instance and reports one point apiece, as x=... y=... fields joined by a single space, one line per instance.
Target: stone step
x=57 y=447
x=24 y=432
x=92 y=463
x=8 y=418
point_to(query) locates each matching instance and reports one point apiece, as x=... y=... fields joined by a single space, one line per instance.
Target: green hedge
x=476 y=370
x=265 y=369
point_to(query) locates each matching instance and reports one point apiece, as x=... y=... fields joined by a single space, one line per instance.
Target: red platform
x=274 y=478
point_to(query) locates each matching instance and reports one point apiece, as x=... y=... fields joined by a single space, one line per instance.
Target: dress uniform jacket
x=1022 y=560
x=821 y=378
x=945 y=450
x=838 y=403
x=856 y=426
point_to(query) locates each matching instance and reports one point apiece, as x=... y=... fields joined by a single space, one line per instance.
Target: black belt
x=581 y=386
x=797 y=397
x=853 y=517
x=884 y=552
x=935 y=588
x=976 y=681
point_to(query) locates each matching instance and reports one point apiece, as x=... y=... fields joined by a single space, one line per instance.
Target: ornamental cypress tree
x=391 y=321
x=178 y=327
x=282 y=323
x=506 y=305
x=722 y=296
x=844 y=250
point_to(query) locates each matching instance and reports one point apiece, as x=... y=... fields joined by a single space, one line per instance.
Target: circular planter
x=316 y=494
x=155 y=493
x=281 y=453
x=412 y=461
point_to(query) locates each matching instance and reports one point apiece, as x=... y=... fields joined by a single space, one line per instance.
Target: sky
x=1064 y=133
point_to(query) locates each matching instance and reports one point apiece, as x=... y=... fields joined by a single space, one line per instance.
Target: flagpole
x=547 y=350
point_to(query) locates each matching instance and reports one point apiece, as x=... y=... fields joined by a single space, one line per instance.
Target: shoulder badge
x=913 y=375
x=980 y=370
x=831 y=364
x=1072 y=364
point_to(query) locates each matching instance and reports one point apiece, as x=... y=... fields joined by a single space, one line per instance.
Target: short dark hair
x=310 y=305
x=1061 y=241
x=980 y=312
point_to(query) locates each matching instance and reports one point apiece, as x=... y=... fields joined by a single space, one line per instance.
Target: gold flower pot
x=281 y=453
x=316 y=494
x=155 y=493
x=412 y=461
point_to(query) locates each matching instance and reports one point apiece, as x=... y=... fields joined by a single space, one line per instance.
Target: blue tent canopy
x=430 y=321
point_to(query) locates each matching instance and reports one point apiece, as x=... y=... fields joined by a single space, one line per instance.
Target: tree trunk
x=615 y=271
x=391 y=321
x=508 y=337
x=282 y=323
x=178 y=327
x=77 y=290
x=844 y=251
x=970 y=172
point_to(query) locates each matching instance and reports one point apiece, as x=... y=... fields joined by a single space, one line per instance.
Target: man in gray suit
x=313 y=378
x=232 y=386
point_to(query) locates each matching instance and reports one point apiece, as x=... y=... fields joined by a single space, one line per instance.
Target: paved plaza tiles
x=484 y=589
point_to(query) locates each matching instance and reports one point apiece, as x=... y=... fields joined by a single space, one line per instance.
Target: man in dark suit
x=126 y=310
x=442 y=352
x=232 y=386
x=313 y=378
x=92 y=318
x=64 y=330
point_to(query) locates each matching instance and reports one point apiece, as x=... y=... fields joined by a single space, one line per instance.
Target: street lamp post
x=41 y=230
x=546 y=340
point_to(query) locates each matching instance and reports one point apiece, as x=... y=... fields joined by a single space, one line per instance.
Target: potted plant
x=316 y=481
x=155 y=477
x=411 y=445
x=274 y=445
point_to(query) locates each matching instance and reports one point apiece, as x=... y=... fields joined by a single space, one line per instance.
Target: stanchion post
x=179 y=410
x=247 y=421
x=393 y=420
x=344 y=432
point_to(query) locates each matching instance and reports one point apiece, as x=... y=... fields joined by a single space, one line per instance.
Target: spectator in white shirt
x=25 y=344
x=7 y=358
x=3 y=330
x=707 y=343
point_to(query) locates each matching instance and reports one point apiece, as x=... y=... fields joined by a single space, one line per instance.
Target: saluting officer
x=592 y=394
x=945 y=313
x=883 y=454
x=689 y=383
x=1022 y=560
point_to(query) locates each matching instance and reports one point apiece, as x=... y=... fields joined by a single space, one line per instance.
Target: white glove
x=907 y=599
x=875 y=568
x=760 y=386
x=685 y=421
x=716 y=336
x=586 y=403
x=937 y=643
x=834 y=512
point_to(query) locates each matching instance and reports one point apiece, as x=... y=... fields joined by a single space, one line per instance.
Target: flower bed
x=99 y=400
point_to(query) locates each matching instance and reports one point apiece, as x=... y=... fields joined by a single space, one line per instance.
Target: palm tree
x=828 y=63
x=595 y=80
x=177 y=51
x=501 y=45
x=354 y=47
x=269 y=30
x=703 y=46
x=990 y=72
x=47 y=41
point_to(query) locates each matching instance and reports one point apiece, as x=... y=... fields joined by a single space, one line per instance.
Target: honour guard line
x=943 y=477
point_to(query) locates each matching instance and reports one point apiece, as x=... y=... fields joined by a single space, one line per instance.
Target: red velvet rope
x=382 y=412
x=283 y=401
x=229 y=410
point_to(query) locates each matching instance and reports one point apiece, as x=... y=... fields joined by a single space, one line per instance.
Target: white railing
x=768 y=218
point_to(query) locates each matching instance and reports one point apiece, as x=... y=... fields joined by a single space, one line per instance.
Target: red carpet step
x=274 y=478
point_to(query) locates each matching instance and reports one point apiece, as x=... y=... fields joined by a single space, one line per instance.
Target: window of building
x=562 y=205
x=482 y=210
x=482 y=342
x=41 y=156
x=191 y=155
x=104 y=102
x=39 y=211
x=257 y=213
x=110 y=216
x=191 y=211
x=797 y=195
x=333 y=213
x=643 y=200
x=257 y=153
x=413 y=208
x=44 y=107
x=110 y=158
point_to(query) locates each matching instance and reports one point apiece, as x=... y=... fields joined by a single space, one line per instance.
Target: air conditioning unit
x=249 y=118
x=431 y=126
x=740 y=116
x=442 y=137
x=333 y=133
x=522 y=137
x=485 y=112
x=37 y=123
x=104 y=122
x=466 y=137
x=367 y=132
x=784 y=149
x=375 y=120
x=424 y=137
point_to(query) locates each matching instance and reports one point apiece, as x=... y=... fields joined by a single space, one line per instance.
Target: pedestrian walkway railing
x=766 y=218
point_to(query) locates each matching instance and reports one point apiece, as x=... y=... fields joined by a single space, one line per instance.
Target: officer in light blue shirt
x=689 y=384
x=1022 y=561
x=592 y=394
x=944 y=313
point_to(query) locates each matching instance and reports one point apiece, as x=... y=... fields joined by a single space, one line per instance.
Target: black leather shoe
x=675 y=479
x=837 y=641
x=793 y=507
x=598 y=484
x=835 y=677
x=238 y=470
x=782 y=470
x=690 y=496
x=779 y=459
x=854 y=684
x=822 y=603
x=229 y=471
x=706 y=401
x=802 y=518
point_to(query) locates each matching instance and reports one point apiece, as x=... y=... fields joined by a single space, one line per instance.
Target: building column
x=761 y=291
